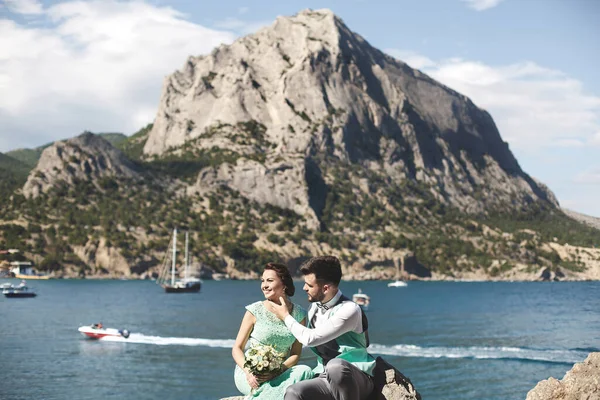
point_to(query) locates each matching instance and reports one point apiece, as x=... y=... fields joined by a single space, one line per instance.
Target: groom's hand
x=280 y=310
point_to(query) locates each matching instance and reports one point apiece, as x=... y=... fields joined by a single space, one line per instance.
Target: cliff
x=312 y=86
x=87 y=157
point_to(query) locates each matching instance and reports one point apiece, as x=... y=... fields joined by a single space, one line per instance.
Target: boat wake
x=170 y=341
x=498 y=353
x=401 y=350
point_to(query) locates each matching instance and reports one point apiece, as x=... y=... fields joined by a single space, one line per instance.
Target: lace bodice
x=271 y=330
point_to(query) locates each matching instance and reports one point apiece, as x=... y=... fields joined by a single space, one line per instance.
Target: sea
x=454 y=340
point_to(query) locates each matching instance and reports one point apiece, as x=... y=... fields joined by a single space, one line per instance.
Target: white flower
x=263 y=358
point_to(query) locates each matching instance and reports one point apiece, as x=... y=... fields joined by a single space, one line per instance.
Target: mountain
x=12 y=175
x=113 y=138
x=312 y=87
x=87 y=157
x=11 y=165
x=30 y=157
x=301 y=139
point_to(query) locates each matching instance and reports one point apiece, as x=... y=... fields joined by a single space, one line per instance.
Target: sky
x=71 y=66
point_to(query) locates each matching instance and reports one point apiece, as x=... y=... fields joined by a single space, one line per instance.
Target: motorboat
x=397 y=284
x=362 y=300
x=98 y=331
x=18 y=291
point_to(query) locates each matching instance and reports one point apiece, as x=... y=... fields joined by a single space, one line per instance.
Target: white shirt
x=347 y=318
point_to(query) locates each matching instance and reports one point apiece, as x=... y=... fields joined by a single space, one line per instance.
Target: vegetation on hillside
x=362 y=209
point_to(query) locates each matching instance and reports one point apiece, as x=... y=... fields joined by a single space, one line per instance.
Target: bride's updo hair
x=283 y=273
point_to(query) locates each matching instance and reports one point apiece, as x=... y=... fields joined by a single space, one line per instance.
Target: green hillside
x=113 y=138
x=28 y=157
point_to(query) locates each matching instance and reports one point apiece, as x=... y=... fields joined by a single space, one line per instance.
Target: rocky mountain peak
x=85 y=157
x=314 y=87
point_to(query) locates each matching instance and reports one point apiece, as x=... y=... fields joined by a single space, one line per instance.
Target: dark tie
x=314 y=317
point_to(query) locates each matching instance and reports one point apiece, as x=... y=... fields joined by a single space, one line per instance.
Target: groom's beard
x=317 y=297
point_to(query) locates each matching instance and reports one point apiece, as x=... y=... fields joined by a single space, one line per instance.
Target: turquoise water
x=454 y=340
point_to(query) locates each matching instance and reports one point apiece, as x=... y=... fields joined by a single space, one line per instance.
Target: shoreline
x=299 y=279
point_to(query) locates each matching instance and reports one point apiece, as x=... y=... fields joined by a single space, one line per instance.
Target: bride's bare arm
x=237 y=352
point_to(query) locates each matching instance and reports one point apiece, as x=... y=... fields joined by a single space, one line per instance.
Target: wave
x=498 y=353
x=170 y=341
x=401 y=350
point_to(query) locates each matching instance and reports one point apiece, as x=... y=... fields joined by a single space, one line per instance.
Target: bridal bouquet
x=262 y=359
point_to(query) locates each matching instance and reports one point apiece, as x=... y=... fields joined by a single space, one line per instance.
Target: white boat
x=362 y=300
x=97 y=331
x=397 y=284
x=167 y=278
x=18 y=291
x=399 y=275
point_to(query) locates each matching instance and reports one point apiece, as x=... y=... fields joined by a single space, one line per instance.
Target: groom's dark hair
x=326 y=269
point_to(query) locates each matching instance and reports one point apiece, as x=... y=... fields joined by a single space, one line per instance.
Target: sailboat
x=186 y=285
x=398 y=282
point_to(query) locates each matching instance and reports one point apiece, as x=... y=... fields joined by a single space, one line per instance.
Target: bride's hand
x=267 y=376
x=252 y=381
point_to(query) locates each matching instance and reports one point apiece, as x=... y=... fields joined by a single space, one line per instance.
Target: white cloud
x=481 y=5
x=533 y=106
x=590 y=177
x=28 y=7
x=99 y=67
x=412 y=58
x=568 y=143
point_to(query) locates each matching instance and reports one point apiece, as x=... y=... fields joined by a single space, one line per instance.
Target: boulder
x=390 y=384
x=581 y=382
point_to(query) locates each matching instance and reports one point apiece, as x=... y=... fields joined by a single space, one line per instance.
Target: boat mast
x=186 y=256
x=174 y=256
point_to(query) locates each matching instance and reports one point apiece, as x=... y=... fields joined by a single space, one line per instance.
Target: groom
x=336 y=332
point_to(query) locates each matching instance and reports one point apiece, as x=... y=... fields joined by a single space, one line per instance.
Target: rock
x=390 y=384
x=547 y=274
x=594 y=222
x=272 y=104
x=87 y=157
x=98 y=256
x=412 y=266
x=582 y=382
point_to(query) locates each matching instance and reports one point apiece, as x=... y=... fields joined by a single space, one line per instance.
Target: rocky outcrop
x=581 y=382
x=594 y=222
x=280 y=183
x=84 y=158
x=390 y=384
x=101 y=259
x=315 y=87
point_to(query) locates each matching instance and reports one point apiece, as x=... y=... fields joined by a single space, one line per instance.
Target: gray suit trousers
x=340 y=381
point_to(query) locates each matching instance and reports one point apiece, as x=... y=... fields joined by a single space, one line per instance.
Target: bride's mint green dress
x=272 y=331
